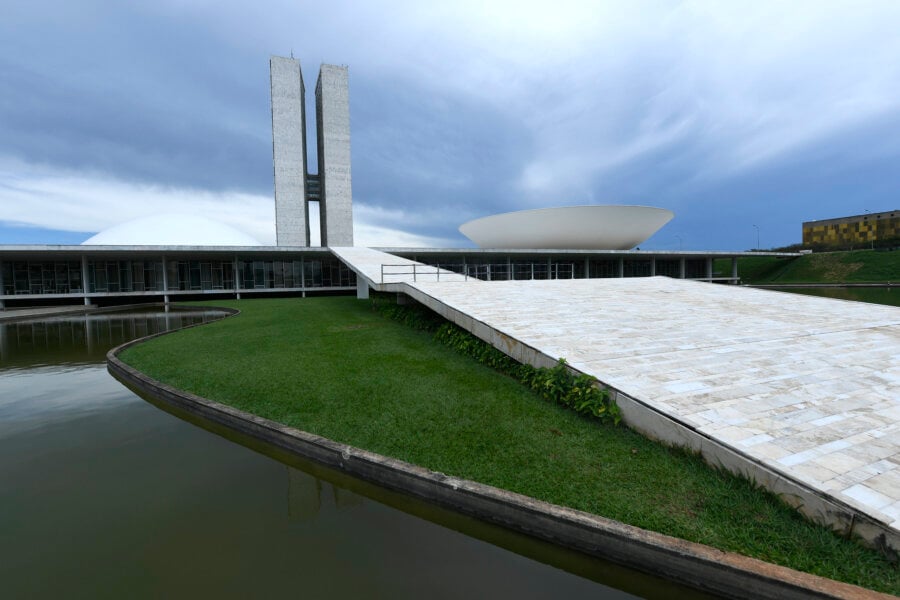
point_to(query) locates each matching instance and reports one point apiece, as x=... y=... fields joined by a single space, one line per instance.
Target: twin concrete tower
x=295 y=187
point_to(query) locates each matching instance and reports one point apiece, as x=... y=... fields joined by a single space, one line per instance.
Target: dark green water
x=873 y=295
x=104 y=495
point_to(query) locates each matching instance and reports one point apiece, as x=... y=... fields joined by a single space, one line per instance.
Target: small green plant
x=580 y=393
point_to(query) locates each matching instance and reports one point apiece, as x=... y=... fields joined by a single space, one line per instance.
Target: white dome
x=606 y=227
x=171 y=229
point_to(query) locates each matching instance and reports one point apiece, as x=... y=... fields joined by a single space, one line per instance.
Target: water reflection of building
x=22 y=341
x=309 y=496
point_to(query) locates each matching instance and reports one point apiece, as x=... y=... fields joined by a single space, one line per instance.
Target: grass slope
x=858 y=266
x=334 y=367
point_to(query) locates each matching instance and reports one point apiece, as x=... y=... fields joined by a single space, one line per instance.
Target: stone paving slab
x=809 y=387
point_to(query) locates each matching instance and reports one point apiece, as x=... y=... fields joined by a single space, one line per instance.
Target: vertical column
x=362 y=288
x=2 y=303
x=237 y=279
x=709 y=268
x=303 y=277
x=289 y=151
x=734 y=270
x=652 y=266
x=621 y=267
x=587 y=268
x=85 y=283
x=165 y=282
x=333 y=139
x=681 y=268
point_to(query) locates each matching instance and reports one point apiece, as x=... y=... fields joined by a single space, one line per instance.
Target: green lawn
x=857 y=266
x=337 y=368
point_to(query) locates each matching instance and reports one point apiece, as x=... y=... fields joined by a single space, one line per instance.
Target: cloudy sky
x=731 y=114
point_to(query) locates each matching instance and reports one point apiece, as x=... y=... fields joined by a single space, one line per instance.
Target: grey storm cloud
x=726 y=113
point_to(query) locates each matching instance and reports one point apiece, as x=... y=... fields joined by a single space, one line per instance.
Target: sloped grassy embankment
x=857 y=266
x=338 y=368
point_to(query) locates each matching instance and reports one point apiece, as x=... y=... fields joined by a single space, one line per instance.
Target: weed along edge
x=261 y=324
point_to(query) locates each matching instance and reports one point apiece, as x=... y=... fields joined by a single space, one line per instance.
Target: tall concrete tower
x=295 y=188
x=333 y=136
x=289 y=151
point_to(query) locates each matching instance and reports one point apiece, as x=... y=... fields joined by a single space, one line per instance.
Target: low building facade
x=853 y=230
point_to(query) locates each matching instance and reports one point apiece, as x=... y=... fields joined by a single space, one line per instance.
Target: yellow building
x=858 y=229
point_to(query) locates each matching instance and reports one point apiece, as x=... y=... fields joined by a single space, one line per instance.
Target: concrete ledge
x=695 y=565
x=37 y=313
x=817 y=506
x=883 y=284
x=29 y=314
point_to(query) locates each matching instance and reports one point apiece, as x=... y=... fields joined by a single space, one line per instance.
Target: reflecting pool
x=104 y=494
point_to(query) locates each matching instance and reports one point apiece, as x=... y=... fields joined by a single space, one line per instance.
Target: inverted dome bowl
x=610 y=227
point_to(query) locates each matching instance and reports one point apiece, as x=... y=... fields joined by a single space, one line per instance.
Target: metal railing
x=518 y=271
x=414 y=269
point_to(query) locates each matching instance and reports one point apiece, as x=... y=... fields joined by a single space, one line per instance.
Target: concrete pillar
x=652 y=266
x=709 y=267
x=303 y=277
x=2 y=303
x=734 y=269
x=681 y=268
x=85 y=284
x=165 y=282
x=362 y=288
x=587 y=268
x=237 y=279
x=621 y=267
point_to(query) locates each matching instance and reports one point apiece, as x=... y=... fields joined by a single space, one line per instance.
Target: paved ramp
x=802 y=394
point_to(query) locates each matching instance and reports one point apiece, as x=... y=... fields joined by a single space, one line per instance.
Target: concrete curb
x=31 y=314
x=36 y=314
x=695 y=565
x=763 y=286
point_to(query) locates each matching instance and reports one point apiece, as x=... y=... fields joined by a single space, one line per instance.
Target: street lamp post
x=757 y=236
